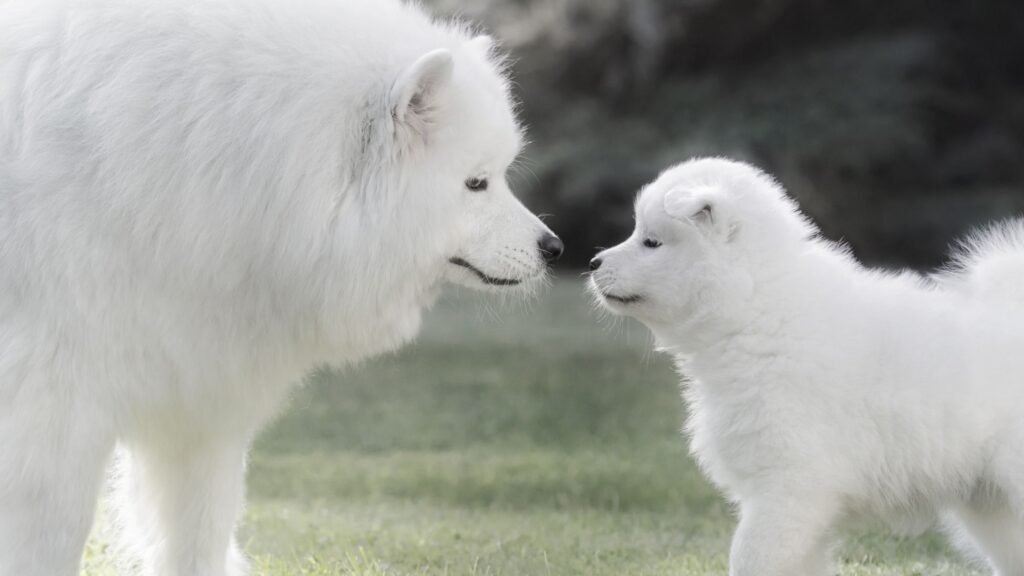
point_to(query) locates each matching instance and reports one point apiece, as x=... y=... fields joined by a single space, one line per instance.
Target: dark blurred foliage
x=898 y=124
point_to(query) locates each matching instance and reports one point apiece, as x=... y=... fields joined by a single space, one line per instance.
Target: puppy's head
x=456 y=128
x=701 y=229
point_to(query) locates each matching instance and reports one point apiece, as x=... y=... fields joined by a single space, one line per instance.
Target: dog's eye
x=651 y=243
x=476 y=184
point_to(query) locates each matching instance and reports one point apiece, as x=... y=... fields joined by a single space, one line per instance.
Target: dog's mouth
x=484 y=277
x=630 y=299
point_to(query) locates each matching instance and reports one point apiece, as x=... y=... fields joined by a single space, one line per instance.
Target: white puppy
x=200 y=200
x=821 y=391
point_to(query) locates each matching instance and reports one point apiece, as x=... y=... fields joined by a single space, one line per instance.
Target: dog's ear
x=415 y=94
x=703 y=207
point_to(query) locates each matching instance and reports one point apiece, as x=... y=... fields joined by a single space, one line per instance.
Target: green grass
x=527 y=440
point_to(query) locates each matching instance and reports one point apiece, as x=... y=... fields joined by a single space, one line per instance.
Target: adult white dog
x=821 y=391
x=199 y=201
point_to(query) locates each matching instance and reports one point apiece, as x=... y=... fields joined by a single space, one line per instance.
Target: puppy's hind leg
x=788 y=537
x=993 y=519
x=996 y=532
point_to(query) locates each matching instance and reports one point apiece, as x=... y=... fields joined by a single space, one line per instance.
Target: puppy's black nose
x=595 y=264
x=550 y=247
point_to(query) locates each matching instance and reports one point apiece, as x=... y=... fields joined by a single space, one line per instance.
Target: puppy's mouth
x=609 y=296
x=630 y=299
x=484 y=277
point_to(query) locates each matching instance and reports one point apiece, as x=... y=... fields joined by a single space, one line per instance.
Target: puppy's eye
x=476 y=184
x=651 y=243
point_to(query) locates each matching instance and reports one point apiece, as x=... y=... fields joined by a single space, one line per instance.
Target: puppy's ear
x=703 y=207
x=482 y=44
x=415 y=93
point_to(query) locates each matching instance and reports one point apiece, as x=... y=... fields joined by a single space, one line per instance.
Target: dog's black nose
x=550 y=247
x=595 y=264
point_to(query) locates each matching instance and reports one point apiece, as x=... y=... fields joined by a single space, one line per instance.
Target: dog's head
x=454 y=125
x=701 y=229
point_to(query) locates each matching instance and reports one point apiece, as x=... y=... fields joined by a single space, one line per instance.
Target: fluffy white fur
x=200 y=200
x=822 y=392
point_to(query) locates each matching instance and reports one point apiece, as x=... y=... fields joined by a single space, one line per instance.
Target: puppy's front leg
x=787 y=537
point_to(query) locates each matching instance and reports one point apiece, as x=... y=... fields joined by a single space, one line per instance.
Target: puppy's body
x=822 y=392
x=200 y=200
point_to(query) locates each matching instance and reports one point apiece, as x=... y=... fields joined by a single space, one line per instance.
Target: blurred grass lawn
x=516 y=439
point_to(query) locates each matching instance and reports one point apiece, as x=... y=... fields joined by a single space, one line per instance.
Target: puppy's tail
x=989 y=264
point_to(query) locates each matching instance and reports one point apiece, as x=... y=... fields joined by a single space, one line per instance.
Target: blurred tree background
x=898 y=124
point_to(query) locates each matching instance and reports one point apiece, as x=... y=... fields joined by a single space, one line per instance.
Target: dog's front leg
x=181 y=503
x=782 y=537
